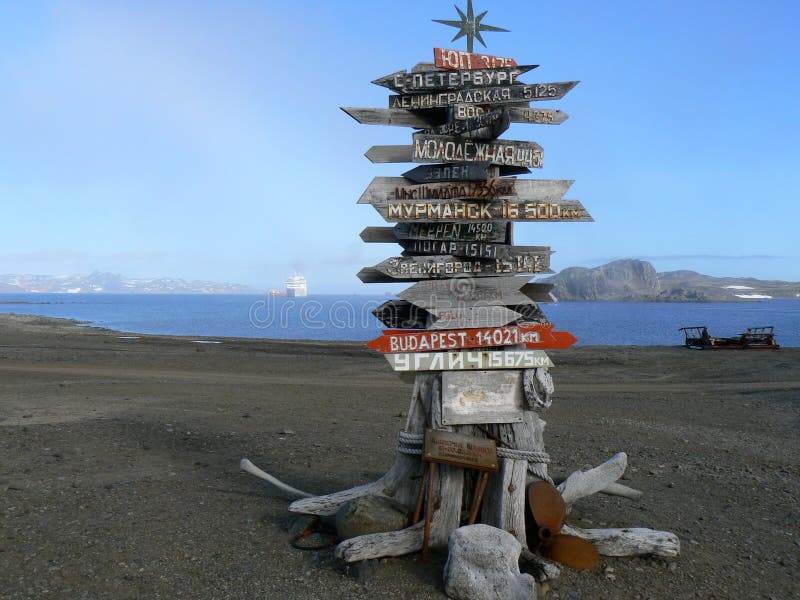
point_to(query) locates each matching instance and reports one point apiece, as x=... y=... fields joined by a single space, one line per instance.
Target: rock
x=315 y=541
x=483 y=565
x=370 y=514
x=303 y=523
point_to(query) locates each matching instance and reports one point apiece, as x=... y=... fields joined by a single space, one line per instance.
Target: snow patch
x=753 y=296
x=737 y=287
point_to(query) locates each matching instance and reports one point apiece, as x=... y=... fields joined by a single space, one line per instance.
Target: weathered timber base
x=504 y=503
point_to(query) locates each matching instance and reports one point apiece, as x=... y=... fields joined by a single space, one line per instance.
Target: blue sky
x=204 y=139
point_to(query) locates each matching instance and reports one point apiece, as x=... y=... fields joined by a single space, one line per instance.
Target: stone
x=370 y=514
x=483 y=564
x=362 y=570
x=303 y=523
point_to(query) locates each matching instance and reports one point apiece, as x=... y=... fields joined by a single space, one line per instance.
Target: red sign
x=533 y=336
x=457 y=59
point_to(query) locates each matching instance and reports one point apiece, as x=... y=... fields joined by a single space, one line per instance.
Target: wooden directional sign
x=506 y=94
x=539 y=292
x=421 y=81
x=482 y=397
x=459 y=450
x=401 y=314
x=493 y=231
x=489 y=125
x=533 y=336
x=463 y=291
x=415 y=268
x=462 y=316
x=438 y=148
x=457 y=59
x=475 y=249
x=427 y=119
x=383 y=116
x=386 y=189
x=458 y=172
x=443 y=148
x=468 y=360
x=475 y=210
x=544 y=116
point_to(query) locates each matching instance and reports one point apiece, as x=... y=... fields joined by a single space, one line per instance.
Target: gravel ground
x=119 y=464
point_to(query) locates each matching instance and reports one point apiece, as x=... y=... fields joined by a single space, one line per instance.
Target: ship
x=296 y=286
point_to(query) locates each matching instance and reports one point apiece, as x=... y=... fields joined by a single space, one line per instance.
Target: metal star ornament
x=470 y=25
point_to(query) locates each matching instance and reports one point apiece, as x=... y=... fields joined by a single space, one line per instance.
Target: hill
x=632 y=280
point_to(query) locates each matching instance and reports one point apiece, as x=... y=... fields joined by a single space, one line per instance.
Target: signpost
x=468 y=360
x=401 y=117
x=466 y=210
x=420 y=81
x=388 y=189
x=533 y=336
x=458 y=172
x=504 y=94
x=413 y=268
x=492 y=231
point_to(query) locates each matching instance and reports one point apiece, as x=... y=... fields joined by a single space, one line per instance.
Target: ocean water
x=323 y=317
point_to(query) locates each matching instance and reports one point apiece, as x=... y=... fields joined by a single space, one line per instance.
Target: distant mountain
x=110 y=283
x=637 y=281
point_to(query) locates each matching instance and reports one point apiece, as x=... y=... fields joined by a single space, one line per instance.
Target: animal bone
x=585 y=483
x=294 y=493
x=630 y=541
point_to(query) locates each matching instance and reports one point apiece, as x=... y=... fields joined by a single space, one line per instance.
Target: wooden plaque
x=457 y=232
x=382 y=190
x=460 y=450
x=459 y=317
x=458 y=59
x=444 y=148
x=445 y=266
x=422 y=81
x=492 y=96
x=409 y=211
x=482 y=397
x=469 y=360
x=450 y=172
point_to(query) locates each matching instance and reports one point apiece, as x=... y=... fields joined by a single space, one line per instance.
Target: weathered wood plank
x=474 y=249
x=465 y=290
x=466 y=317
x=388 y=116
x=401 y=314
x=533 y=336
x=543 y=116
x=504 y=94
x=420 y=81
x=489 y=125
x=458 y=59
x=443 y=148
x=384 y=189
x=450 y=172
x=539 y=292
x=460 y=450
x=493 y=231
x=477 y=210
x=481 y=397
x=415 y=268
x=468 y=360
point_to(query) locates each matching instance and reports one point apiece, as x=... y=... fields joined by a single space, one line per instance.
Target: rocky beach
x=119 y=464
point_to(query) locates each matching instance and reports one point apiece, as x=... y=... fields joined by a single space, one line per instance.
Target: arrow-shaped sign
x=401 y=314
x=479 y=210
x=426 y=119
x=474 y=249
x=533 y=336
x=507 y=94
x=468 y=360
x=415 y=268
x=486 y=126
x=389 y=189
x=458 y=59
x=450 y=172
x=421 y=81
x=467 y=291
x=459 y=317
x=492 y=231
x=443 y=148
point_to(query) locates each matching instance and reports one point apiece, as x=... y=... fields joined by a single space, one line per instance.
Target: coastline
x=120 y=474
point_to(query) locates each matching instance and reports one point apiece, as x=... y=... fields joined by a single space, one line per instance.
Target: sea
x=342 y=317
